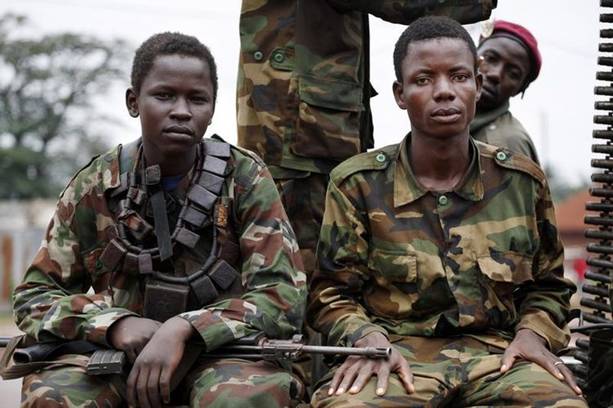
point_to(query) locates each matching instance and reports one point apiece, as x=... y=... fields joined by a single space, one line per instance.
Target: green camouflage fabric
x=483 y=259
x=67 y=293
x=214 y=383
x=500 y=128
x=303 y=81
x=458 y=372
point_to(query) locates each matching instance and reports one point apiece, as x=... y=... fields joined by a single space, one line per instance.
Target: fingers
x=406 y=376
x=141 y=389
x=338 y=376
x=131 y=386
x=153 y=388
x=569 y=378
x=165 y=377
x=382 y=379
x=508 y=358
x=348 y=378
x=363 y=376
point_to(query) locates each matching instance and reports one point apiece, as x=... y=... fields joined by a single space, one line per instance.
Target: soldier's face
x=504 y=65
x=439 y=87
x=175 y=104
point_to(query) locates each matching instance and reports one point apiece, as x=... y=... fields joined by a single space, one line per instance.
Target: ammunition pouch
x=164 y=300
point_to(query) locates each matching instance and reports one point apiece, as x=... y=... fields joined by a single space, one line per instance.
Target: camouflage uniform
x=53 y=301
x=303 y=90
x=448 y=277
x=500 y=128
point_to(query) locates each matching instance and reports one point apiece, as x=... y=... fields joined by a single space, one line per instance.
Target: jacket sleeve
x=272 y=273
x=53 y=300
x=545 y=303
x=337 y=285
x=407 y=11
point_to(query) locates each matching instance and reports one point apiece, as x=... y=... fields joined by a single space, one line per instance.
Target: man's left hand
x=527 y=345
x=149 y=379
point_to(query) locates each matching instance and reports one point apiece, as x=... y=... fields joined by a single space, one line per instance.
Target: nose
x=181 y=110
x=443 y=90
x=492 y=71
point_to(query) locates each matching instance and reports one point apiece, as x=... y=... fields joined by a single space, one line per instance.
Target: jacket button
x=501 y=155
x=258 y=55
x=380 y=158
x=443 y=200
x=278 y=57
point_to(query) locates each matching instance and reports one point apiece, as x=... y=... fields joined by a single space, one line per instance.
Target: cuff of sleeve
x=99 y=325
x=540 y=323
x=364 y=331
x=215 y=330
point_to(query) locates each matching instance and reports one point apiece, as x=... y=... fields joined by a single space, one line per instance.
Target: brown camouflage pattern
x=458 y=372
x=483 y=259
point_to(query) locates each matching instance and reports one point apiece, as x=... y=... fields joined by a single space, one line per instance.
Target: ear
x=479 y=84
x=132 y=102
x=399 y=95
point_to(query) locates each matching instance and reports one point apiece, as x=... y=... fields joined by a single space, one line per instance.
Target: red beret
x=525 y=37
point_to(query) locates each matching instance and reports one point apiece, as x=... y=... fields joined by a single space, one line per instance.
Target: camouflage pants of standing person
x=458 y=372
x=303 y=198
x=210 y=383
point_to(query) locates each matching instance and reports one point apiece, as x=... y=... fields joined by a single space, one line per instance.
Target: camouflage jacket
x=482 y=260
x=303 y=85
x=65 y=292
x=500 y=128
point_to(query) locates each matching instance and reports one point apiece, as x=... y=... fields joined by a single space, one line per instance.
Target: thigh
x=395 y=397
x=68 y=386
x=242 y=383
x=526 y=384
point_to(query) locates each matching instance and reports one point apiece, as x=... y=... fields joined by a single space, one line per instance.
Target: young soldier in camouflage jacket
x=230 y=268
x=446 y=249
x=303 y=98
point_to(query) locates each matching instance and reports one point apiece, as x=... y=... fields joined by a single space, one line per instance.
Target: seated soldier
x=510 y=61
x=444 y=249
x=164 y=240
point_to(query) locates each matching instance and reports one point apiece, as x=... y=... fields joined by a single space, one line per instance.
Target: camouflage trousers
x=458 y=372
x=211 y=383
x=303 y=198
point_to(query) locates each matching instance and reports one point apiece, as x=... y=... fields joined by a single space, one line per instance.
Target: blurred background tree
x=48 y=88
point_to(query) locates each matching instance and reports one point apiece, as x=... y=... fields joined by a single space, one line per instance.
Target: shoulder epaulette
x=377 y=159
x=514 y=161
x=244 y=151
x=94 y=165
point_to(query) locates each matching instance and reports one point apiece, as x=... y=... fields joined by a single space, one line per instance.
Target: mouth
x=446 y=115
x=180 y=131
x=488 y=91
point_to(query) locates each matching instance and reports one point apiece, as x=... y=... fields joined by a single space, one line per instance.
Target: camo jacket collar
x=407 y=189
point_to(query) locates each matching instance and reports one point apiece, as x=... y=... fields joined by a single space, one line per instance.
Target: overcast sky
x=557 y=109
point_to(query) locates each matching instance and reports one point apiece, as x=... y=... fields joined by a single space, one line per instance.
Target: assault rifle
x=258 y=347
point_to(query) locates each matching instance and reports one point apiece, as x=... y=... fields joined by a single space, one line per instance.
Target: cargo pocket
x=329 y=117
x=395 y=288
x=501 y=275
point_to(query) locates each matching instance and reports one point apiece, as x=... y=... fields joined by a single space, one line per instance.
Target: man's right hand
x=355 y=372
x=131 y=334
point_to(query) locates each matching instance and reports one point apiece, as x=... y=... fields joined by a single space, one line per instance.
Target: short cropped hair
x=430 y=28
x=168 y=43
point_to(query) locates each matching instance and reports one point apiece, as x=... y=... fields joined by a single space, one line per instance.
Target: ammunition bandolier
x=204 y=213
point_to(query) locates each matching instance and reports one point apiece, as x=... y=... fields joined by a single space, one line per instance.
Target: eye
x=460 y=77
x=200 y=99
x=163 y=96
x=515 y=75
x=421 y=81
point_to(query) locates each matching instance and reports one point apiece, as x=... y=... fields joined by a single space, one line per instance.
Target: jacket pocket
x=501 y=275
x=394 y=289
x=329 y=117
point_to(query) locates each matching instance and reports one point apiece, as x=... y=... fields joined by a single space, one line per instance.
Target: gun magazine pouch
x=164 y=300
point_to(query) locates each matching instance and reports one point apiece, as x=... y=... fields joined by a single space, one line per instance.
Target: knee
x=248 y=393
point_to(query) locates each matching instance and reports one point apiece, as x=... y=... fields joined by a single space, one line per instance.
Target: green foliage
x=48 y=87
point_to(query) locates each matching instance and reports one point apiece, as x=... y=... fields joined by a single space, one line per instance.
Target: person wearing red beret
x=510 y=61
